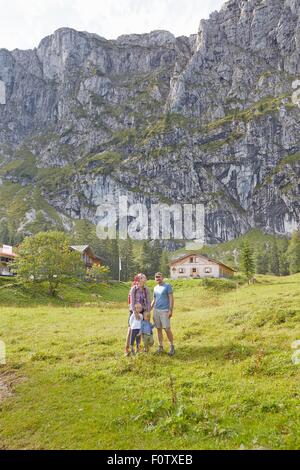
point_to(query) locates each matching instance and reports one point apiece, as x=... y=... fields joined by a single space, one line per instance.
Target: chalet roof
x=187 y=255
x=80 y=248
x=83 y=248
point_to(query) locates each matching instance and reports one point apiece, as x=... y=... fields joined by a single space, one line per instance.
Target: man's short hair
x=158 y=274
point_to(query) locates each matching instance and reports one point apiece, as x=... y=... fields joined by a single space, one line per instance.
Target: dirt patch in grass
x=8 y=380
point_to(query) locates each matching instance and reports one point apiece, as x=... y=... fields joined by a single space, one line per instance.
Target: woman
x=138 y=294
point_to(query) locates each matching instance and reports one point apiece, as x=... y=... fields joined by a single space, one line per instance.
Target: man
x=163 y=303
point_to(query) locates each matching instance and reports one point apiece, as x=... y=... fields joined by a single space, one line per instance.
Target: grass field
x=231 y=384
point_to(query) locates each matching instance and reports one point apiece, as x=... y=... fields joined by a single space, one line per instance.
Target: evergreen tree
x=284 y=244
x=82 y=234
x=128 y=263
x=145 y=263
x=156 y=252
x=293 y=253
x=274 y=259
x=262 y=262
x=112 y=257
x=164 y=264
x=247 y=261
x=4 y=233
x=17 y=238
x=85 y=234
x=283 y=260
x=283 y=264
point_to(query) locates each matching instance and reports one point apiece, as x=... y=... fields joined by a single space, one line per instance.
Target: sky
x=23 y=23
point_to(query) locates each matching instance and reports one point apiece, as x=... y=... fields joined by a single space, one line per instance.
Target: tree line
x=147 y=258
x=275 y=258
x=272 y=259
x=47 y=259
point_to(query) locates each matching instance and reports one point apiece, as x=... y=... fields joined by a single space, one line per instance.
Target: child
x=147 y=331
x=135 y=323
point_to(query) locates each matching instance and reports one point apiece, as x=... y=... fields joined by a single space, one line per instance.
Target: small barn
x=6 y=256
x=88 y=256
x=194 y=265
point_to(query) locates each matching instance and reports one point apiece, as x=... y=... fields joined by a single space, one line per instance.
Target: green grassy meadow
x=231 y=384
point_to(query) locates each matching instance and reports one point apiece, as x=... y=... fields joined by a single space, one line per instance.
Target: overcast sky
x=23 y=23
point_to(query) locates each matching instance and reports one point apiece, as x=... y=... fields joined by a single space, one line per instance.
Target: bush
x=98 y=273
x=219 y=284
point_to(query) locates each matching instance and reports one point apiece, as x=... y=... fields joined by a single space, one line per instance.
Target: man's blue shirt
x=161 y=295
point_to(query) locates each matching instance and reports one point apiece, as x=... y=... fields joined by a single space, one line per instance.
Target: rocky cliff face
x=212 y=118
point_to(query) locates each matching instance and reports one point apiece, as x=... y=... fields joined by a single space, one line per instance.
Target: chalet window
x=194 y=270
x=191 y=259
x=173 y=269
x=181 y=270
x=207 y=270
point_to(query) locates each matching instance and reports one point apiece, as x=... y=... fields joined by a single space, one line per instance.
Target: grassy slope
x=232 y=377
x=72 y=293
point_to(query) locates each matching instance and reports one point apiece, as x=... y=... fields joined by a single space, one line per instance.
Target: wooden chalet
x=6 y=256
x=194 y=265
x=88 y=256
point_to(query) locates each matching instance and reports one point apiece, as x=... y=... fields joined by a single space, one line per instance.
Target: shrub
x=219 y=284
x=98 y=273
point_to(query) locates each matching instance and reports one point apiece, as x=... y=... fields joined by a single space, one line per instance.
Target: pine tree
x=293 y=253
x=4 y=233
x=145 y=263
x=164 y=264
x=128 y=263
x=156 y=252
x=15 y=237
x=283 y=264
x=247 y=261
x=283 y=260
x=274 y=259
x=112 y=257
x=262 y=262
x=85 y=234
